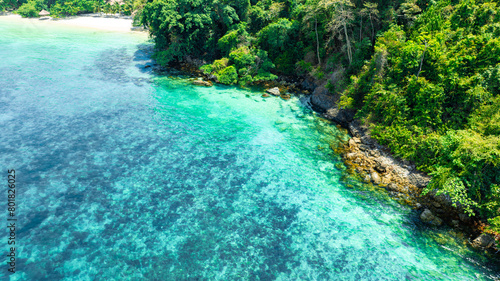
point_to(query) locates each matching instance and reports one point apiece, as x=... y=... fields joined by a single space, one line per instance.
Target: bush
x=228 y=75
x=30 y=9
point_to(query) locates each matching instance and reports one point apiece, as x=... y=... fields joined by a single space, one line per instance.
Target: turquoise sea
x=124 y=174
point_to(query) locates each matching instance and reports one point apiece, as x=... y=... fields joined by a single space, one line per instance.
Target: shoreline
x=363 y=156
x=375 y=164
x=112 y=23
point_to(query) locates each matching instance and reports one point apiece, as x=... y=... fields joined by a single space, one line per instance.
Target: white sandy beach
x=85 y=21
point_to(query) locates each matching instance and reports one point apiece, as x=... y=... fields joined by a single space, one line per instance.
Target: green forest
x=424 y=74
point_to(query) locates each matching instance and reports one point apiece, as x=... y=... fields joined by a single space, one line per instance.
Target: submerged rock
x=274 y=91
x=483 y=241
x=428 y=217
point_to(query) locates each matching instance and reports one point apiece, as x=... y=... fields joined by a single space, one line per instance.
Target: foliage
x=31 y=9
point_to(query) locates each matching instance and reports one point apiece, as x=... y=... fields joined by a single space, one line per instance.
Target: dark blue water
x=126 y=175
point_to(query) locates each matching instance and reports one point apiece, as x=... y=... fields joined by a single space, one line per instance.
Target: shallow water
x=127 y=175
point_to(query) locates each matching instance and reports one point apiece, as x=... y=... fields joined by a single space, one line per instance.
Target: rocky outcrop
x=274 y=91
x=428 y=217
x=484 y=241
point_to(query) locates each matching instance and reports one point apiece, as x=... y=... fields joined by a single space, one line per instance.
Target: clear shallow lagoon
x=124 y=175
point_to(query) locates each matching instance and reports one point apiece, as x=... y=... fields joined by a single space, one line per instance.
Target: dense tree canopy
x=424 y=74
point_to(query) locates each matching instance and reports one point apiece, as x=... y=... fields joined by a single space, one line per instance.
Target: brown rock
x=265 y=95
x=324 y=101
x=337 y=115
x=381 y=168
x=285 y=96
x=386 y=179
x=436 y=204
x=418 y=180
x=374 y=153
x=352 y=143
x=351 y=155
x=392 y=187
x=464 y=217
x=367 y=178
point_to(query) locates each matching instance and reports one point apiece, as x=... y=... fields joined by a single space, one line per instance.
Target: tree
x=341 y=17
x=409 y=11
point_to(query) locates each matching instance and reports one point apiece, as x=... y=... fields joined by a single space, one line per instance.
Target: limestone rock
x=352 y=143
x=339 y=116
x=418 y=180
x=484 y=241
x=285 y=96
x=274 y=91
x=436 y=204
x=374 y=153
x=323 y=102
x=380 y=167
x=367 y=179
x=202 y=83
x=375 y=178
x=428 y=217
x=355 y=129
